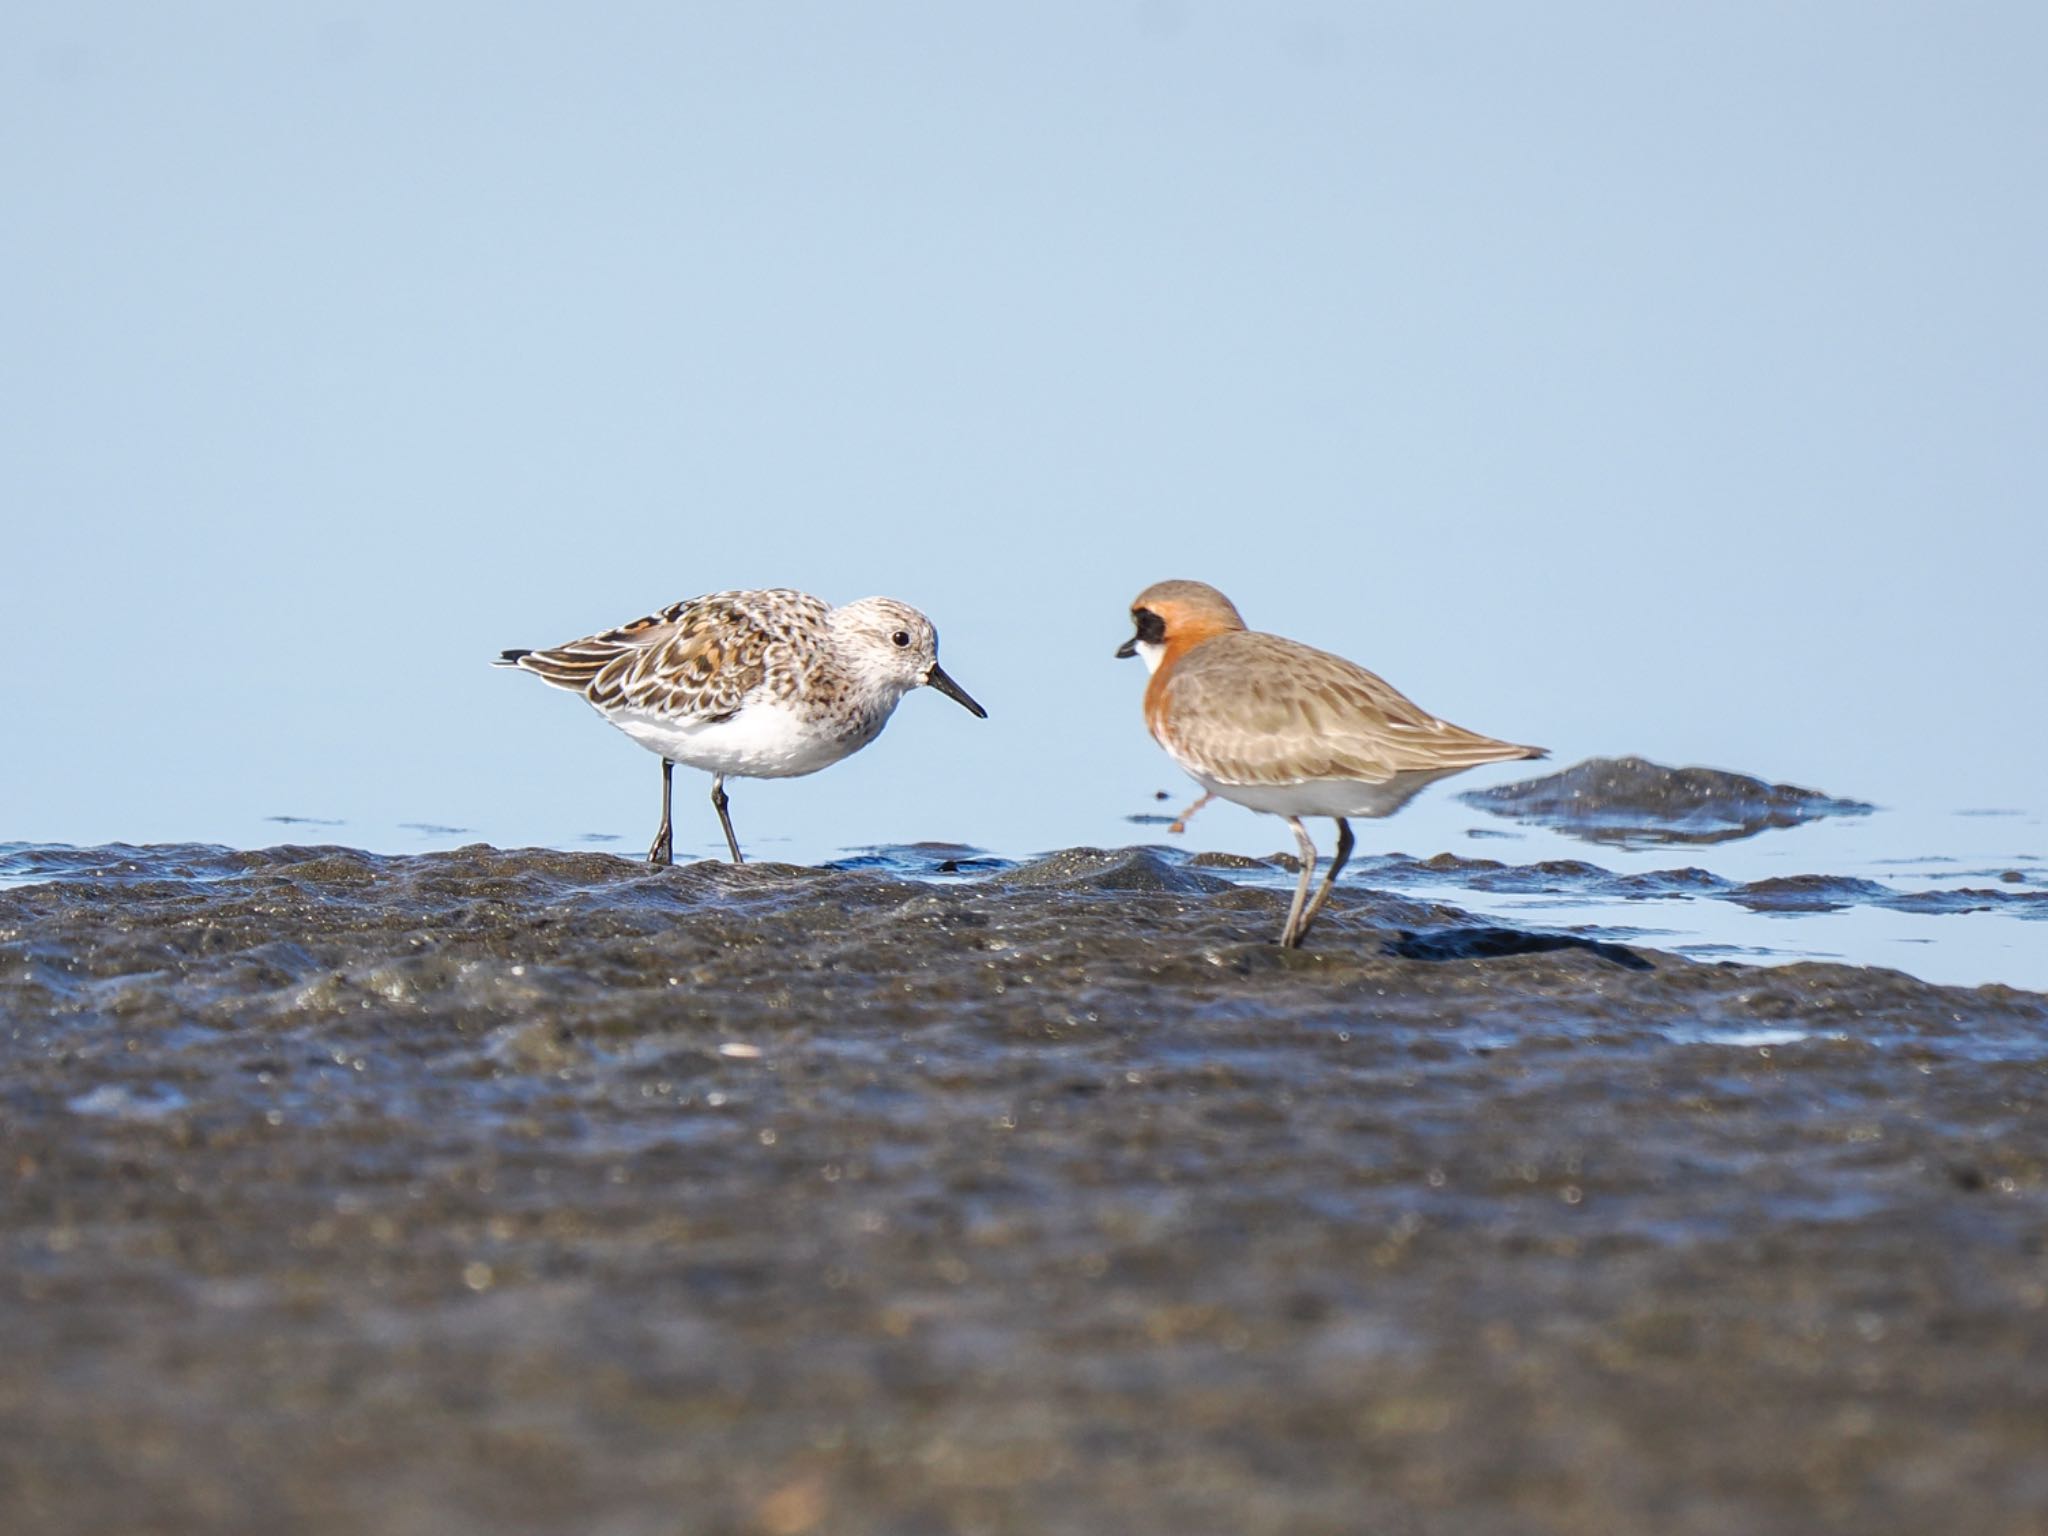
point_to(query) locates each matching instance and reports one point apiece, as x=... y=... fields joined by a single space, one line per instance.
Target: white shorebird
x=1284 y=728
x=755 y=685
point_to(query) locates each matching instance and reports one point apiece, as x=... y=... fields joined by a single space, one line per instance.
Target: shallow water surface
x=1703 y=862
x=529 y=1190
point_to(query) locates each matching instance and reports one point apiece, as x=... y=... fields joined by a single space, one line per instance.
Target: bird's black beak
x=1128 y=649
x=936 y=678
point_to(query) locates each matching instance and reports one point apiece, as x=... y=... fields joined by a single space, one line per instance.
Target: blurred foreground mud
x=536 y=1192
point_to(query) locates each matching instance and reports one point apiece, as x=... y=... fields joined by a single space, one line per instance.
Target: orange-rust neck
x=1183 y=634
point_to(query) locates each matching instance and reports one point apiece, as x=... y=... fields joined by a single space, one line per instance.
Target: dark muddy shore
x=540 y=1192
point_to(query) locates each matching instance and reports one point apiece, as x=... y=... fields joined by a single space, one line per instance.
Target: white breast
x=1326 y=797
x=762 y=740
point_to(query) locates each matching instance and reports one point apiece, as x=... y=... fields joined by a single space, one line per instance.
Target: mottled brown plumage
x=701 y=657
x=756 y=684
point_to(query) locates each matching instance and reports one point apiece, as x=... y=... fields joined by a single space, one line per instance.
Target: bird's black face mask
x=1151 y=631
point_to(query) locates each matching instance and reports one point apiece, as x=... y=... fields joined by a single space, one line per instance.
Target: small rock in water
x=1631 y=800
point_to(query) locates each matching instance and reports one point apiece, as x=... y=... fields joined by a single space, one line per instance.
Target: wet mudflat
x=531 y=1191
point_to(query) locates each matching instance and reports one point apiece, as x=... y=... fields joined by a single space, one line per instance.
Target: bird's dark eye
x=1151 y=628
x=901 y=637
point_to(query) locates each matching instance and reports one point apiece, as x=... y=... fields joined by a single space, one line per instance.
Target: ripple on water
x=123 y=1101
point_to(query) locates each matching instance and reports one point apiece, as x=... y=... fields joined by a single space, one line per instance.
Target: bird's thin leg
x=718 y=803
x=1345 y=843
x=1290 y=936
x=1180 y=822
x=664 y=849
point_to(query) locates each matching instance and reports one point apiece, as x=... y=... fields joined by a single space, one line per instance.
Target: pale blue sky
x=1623 y=377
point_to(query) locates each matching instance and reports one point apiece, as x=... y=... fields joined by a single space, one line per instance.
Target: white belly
x=1327 y=797
x=762 y=741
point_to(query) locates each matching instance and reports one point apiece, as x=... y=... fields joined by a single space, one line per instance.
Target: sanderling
x=1283 y=728
x=753 y=685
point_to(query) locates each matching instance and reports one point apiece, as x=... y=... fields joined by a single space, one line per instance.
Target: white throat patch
x=1153 y=652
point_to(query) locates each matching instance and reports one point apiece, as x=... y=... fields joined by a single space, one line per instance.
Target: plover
x=755 y=685
x=1287 y=729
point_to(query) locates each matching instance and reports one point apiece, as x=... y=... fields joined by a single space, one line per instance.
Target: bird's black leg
x=718 y=803
x=664 y=849
x=1345 y=843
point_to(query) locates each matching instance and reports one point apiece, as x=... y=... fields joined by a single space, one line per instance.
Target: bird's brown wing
x=1251 y=708
x=699 y=658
